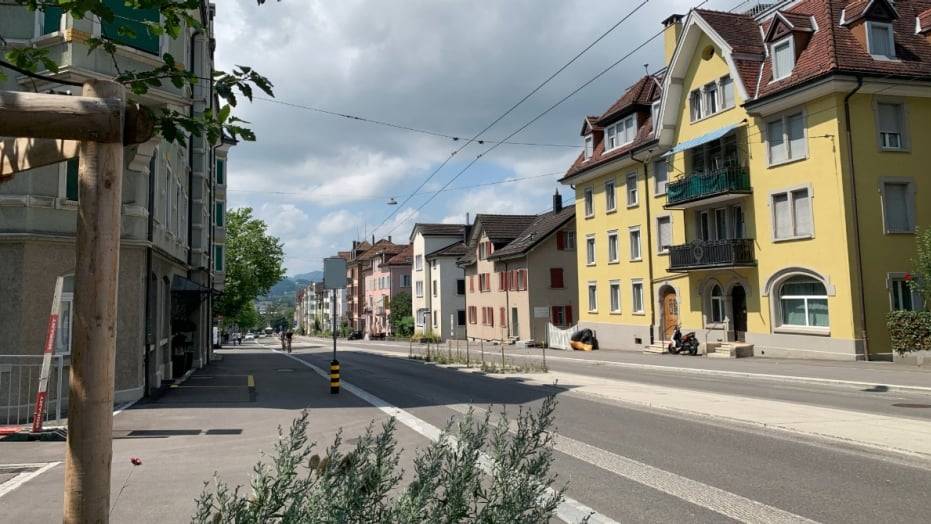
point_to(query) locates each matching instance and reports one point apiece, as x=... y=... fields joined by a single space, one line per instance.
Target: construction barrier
x=559 y=338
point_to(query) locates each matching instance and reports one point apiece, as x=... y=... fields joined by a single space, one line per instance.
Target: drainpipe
x=507 y=299
x=856 y=214
x=150 y=228
x=646 y=199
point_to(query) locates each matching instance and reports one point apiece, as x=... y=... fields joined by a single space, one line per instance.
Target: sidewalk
x=866 y=374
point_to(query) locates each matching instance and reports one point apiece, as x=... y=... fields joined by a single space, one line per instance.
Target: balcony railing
x=696 y=187
x=701 y=254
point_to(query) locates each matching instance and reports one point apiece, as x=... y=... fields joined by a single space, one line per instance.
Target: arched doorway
x=739 y=312
x=669 y=306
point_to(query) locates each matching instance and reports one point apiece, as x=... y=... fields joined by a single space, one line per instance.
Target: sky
x=447 y=66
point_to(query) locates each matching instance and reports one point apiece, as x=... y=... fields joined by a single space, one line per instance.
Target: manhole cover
x=285 y=370
x=917 y=406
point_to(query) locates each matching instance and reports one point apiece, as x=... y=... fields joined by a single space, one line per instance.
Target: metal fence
x=19 y=382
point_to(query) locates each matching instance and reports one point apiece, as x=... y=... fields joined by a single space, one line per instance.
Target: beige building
x=520 y=273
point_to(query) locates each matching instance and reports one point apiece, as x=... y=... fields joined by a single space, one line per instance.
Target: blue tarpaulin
x=704 y=139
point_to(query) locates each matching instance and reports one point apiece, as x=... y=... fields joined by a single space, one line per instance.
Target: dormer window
x=880 y=39
x=589 y=147
x=783 y=56
x=654 y=113
x=621 y=133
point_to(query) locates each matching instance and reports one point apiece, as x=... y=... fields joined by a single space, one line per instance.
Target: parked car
x=249 y=336
x=355 y=335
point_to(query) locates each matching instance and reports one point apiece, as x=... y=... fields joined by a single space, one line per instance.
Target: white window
x=612 y=247
x=720 y=223
x=880 y=39
x=589 y=146
x=570 y=240
x=590 y=250
x=634 y=234
x=65 y=317
x=637 y=296
x=663 y=234
x=405 y=281
x=792 y=214
x=803 y=302
x=891 y=125
x=592 y=297
x=727 y=92
x=785 y=138
x=589 y=203
x=614 y=292
x=418 y=288
x=783 y=56
x=710 y=102
x=654 y=113
x=481 y=251
x=695 y=105
x=418 y=263
x=610 y=196
x=903 y=297
x=717 y=304
x=898 y=201
x=633 y=198
x=621 y=133
x=661 y=176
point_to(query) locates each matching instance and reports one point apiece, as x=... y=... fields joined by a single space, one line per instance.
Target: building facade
x=173 y=218
x=521 y=274
x=438 y=283
x=781 y=179
x=384 y=277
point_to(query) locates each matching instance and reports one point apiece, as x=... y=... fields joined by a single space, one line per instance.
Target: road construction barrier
x=334 y=377
x=559 y=338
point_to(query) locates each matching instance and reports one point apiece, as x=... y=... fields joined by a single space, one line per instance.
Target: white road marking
x=570 y=510
x=709 y=497
x=25 y=476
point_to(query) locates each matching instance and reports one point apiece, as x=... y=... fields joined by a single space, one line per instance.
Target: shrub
x=909 y=330
x=453 y=479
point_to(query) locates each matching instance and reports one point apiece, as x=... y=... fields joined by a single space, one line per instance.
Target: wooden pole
x=90 y=407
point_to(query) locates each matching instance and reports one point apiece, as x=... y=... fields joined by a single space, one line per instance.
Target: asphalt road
x=694 y=467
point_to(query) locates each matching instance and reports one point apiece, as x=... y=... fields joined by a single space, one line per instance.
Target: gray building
x=172 y=249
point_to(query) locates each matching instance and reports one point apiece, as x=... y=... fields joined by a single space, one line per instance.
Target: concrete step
x=730 y=350
x=655 y=348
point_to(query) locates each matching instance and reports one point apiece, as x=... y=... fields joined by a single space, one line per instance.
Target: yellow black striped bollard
x=334 y=377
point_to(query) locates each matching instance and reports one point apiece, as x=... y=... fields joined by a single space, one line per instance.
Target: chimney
x=557 y=202
x=671 y=33
x=389 y=239
x=373 y=240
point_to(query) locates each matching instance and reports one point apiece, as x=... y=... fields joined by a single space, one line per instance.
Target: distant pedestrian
x=289 y=335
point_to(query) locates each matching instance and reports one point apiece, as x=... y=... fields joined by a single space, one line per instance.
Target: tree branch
x=20 y=70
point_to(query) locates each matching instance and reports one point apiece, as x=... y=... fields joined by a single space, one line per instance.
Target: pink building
x=387 y=270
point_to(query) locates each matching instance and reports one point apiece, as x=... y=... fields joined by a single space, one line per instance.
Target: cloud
x=450 y=66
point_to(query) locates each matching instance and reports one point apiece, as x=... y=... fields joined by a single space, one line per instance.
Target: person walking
x=289 y=335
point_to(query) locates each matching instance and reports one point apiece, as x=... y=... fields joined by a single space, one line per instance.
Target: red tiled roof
x=404 y=257
x=924 y=21
x=743 y=35
x=642 y=93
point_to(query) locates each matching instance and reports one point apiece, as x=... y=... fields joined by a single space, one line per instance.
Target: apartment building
x=386 y=272
x=438 y=298
x=782 y=179
x=172 y=256
x=355 y=285
x=521 y=274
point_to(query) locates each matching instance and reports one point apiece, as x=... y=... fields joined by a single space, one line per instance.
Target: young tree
x=174 y=15
x=401 y=319
x=253 y=261
x=921 y=280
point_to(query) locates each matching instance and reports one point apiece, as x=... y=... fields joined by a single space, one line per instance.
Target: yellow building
x=787 y=223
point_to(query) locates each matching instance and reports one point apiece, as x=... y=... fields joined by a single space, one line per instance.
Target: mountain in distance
x=311 y=276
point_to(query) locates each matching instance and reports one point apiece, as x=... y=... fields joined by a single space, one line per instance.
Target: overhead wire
x=513 y=107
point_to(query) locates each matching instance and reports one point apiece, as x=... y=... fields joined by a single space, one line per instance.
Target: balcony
x=714 y=186
x=710 y=254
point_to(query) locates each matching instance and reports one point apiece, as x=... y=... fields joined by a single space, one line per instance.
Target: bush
x=909 y=330
x=429 y=336
x=453 y=479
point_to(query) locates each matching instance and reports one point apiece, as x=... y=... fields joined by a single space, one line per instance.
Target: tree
x=253 y=261
x=402 y=322
x=476 y=471
x=248 y=318
x=174 y=16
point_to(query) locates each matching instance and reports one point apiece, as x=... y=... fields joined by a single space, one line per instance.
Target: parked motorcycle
x=680 y=343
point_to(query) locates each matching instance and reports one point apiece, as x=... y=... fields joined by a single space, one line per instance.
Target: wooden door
x=670 y=314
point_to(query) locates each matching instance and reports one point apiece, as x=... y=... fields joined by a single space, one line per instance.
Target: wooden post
x=90 y=410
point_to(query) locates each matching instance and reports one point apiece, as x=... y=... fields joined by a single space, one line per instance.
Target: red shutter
x=568 y=315
x=513 y=280
x=487 y=281
x=491 y=247
x=560 y=240
x=553 y=316
x=501 y=281
x=556 y=280
x=491 y=316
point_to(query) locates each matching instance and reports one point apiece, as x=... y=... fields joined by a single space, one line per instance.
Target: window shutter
x=781 y=216
x=523 y=278
x=560 y=240
x=504 y=317
x=802 y=209
x=491 y=316
x=568 y=315
x=553 y=315
x=472 y=283
x=896 y=207
x=502 y=281
x=556 y=280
